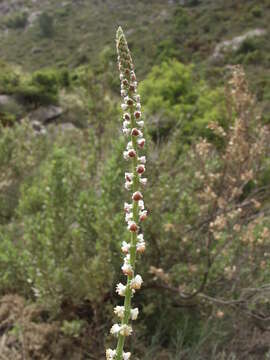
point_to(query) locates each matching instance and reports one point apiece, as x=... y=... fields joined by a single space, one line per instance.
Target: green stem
x=133 y=242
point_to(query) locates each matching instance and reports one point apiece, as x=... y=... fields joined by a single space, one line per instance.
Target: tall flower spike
x=133 y=125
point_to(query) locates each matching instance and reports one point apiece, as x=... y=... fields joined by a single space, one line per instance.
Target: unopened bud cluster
x=134 y=211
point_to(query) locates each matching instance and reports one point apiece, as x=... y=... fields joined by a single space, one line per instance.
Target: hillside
x=81 y=33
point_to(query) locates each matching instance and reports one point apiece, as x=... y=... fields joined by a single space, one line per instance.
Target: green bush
x=174 y=99
x=257 y=11
x=17 y=20
x=46 y=24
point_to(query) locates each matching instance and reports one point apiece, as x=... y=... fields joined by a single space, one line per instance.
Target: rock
x=5 y=100
x=32 y=18
x=234 y=44
x=46 y=114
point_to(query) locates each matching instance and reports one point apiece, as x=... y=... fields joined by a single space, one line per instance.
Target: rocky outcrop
x=46 y=114
x=235 y=43
x=5 y=100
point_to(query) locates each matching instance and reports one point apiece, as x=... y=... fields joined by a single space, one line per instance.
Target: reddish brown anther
x=135 y=132
x=133 y=227
x=132 y=153
x=137 y=196
x=140 y=169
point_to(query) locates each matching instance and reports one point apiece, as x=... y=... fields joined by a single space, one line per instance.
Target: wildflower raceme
x=134 y=211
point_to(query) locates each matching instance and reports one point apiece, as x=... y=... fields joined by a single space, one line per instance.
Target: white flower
x=127 y=258
x=140 y=237
x=121 y=75
x=138 y=98
x=126 y=355
x=127 y=269
x=140 y=124
x=115 y=329
x=128 y=176
x=126 y=116
x=127 y=207
x=142 y=159
x=134 y=313
x=140 y=247
x=126 y=124
x=138 y=106
x=136 y=282
x=125 y=247
x=143 y=181
x=123 y=93
x=121 y=289
x=143 y=215
x=119 y=311
x=141 y=142
x=110 y=354
x=141 y=205
x=129 y=145
x=125 y=330
x=131 y=153
x=137 y=114
x=126 y=132
x=128 y=217
x=128 y=185
x=124 y=107
x=125 y=155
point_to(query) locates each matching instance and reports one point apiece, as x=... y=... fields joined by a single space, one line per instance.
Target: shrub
x=175 y=100
x=46 y=25
x=17 y=20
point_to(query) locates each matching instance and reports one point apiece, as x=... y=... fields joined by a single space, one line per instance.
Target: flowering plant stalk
x=135 y=212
